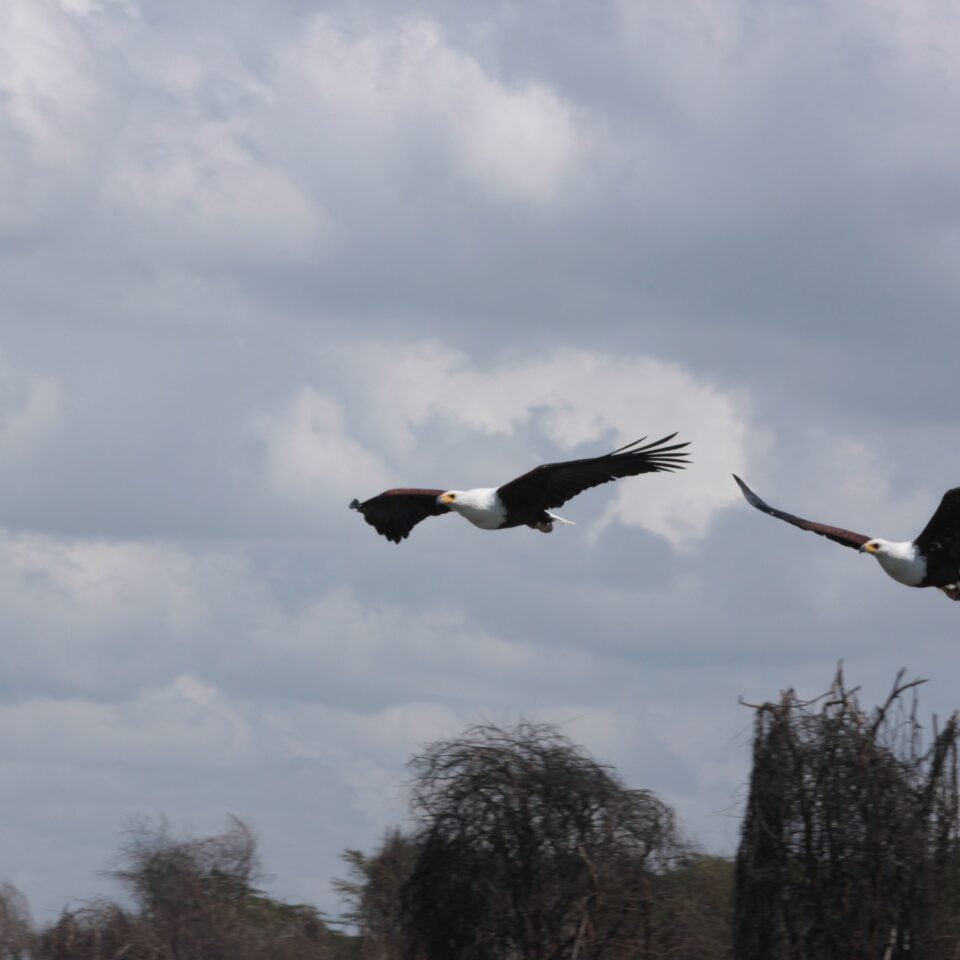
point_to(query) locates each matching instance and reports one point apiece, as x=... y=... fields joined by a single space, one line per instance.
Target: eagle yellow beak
x=446 y=498
x=869 y=548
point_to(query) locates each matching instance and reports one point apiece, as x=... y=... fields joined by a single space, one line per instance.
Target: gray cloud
x=255 y=265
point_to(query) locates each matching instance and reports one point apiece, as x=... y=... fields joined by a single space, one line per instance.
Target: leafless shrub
x=194 y=899
x=97 y=931
x=16 y=929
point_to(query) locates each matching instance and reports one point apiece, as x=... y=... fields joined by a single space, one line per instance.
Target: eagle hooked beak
x=446 y=499
x=869 y=548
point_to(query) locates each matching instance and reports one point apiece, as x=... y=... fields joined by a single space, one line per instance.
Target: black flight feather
x=944 y=525
x=394 y=513
x=553 y=484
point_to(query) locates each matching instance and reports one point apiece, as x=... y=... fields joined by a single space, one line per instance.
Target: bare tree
x=16 y=929
x=848 y=846
x=528 y=848
x=194 y=899
x=194 y=891
x=98 y=931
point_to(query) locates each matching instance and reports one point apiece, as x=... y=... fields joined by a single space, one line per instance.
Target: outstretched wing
x=394 y=513
x=838 y=535
x=943 y=528
x=553 y=484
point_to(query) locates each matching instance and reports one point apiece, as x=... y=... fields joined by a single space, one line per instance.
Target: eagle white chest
x=903 y=562
x=482 y=507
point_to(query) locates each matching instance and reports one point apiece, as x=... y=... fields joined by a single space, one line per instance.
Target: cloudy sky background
x=259 y=258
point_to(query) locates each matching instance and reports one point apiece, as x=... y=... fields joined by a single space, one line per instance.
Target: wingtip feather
x=626 y=446
x=745 y=490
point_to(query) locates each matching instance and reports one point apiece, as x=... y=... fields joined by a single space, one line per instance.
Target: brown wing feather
x=394 y=513
x=837 y=534
x=553 y=484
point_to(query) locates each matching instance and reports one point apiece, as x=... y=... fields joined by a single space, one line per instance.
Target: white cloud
x=186 y=723
x=310 y=456
x=48 y=77
x=86 y=8
x=392 y=94
x=195 y=175
x=208 y=187
x=30 y=413
x=363 y=748
x=96 y=616
x=102 y=618
x=57 y=117
x=98 y=583
x=719 y=60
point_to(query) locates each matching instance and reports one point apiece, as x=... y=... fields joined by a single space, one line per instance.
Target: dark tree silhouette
x=694 y=910
x=373 y=893
x=848 y=845
x=528 y=848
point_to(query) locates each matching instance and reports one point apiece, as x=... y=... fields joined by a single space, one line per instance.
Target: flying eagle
x=524 y=501
x=931 y=559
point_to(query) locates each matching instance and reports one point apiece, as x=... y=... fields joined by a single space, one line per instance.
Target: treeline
x=523 y=847
x=191 y=899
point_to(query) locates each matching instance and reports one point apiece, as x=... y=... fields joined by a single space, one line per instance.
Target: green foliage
x=373 y=894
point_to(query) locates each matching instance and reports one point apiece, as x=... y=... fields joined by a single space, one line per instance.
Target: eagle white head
x=889 y=548
x=482 y=507
x=901 y=560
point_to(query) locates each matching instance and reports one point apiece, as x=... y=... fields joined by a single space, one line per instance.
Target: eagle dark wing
x=846 y=537
x=553 y=484
x=944 y=526
x=394 y=513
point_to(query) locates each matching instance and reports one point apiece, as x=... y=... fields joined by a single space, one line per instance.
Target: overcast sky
x=259 y=258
